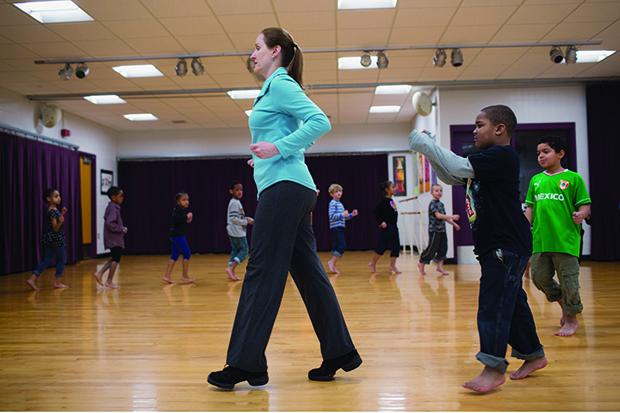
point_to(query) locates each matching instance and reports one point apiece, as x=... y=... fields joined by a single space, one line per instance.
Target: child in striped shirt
x=337 y=218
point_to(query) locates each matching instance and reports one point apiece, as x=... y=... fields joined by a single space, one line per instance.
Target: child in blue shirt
x=337 y=222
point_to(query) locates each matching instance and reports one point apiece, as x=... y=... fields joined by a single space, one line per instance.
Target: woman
x=283 y=239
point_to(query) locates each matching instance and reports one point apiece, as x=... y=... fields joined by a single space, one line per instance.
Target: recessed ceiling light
x=244 y=94
x=353 y=62
x=366 y=4
x=593 y=56
x=248 y=112
x=140 y=117
x=138 y=71
x=384 y=109
x=104 y=99
x=54 y=11
x=393 y=89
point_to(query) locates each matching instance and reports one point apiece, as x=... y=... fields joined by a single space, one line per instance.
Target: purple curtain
x=150 y=187
x=27 y=168
x=603 y=149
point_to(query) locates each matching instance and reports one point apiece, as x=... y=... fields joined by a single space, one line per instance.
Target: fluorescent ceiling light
x=140 y=117
x=244 y=94
x=138 y=71
x=54 y=11
x=593 y=56
x=104 y=99
x=366 y=4
x=248 y=112
x=384 y=109
x=348 y=63
x=393 y=89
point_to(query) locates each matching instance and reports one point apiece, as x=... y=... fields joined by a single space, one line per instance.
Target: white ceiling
x=152 y=27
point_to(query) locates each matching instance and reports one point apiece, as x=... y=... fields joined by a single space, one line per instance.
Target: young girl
x=236 y=224
x=180 y=218
x=337 y=218
x=387 y=217
x=53 y=240
x=113 y=236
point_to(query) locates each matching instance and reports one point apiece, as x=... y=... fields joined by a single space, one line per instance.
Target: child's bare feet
x=441 y=271
x=570 y=326
x=167 y=279
x=187 y=280
x=395 y=270
x=563 y=319
x=421 y=268
x=32 y=282
x=373 y=267
x=111 y=285
x=59 y=284
x=331 y=266
x=98 y=278
x=528 y=367
x=488 y=380
x=231 y=274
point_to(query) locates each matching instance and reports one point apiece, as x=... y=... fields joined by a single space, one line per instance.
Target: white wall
x=217 y=142
x=531 y=105
x=18 y=112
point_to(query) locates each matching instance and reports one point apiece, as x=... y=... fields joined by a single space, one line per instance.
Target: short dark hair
x=385 y=185
x=434 y=185
x=233 y=184
x=49 y=192
x=555 y=142
x=501 y=114
x=113 y=191
x=180 y=195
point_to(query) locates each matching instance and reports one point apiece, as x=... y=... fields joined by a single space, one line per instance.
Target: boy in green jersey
x=557 y=203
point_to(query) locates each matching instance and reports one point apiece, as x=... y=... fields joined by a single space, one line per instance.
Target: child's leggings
x=179 y=245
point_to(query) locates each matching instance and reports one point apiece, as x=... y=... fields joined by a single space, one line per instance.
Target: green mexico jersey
x=553 y=199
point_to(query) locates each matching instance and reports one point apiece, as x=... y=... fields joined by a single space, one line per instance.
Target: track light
x=181 y=67
x=556 y=54
x=197 y=67
x=456 y=57
x=382 y=60
x=66 y=72
x=365 y=60
x=82 y=70
x=571 y=54
x=439 y=59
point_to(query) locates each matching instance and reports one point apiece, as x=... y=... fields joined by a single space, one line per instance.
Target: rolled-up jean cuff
x=336 y=254
x=573 y=309
x=498 y=363
x=532 y=356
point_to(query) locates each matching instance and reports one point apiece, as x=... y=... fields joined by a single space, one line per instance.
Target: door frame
x=92 y=248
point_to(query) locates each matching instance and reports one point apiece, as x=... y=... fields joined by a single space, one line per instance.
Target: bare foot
x=373 y=267
x=112 y=286
x=60 y=285
x=563 y=319
x=442 y=271
x=187 y=280
x=528 y=367
x=32 y=282
x=570 y=326
x=98 y=278
x=231 y=274
x=488 y=380
x=332 y=268
x=337 y=272
x=421 y=268
x=395 y=270
x=167 y=280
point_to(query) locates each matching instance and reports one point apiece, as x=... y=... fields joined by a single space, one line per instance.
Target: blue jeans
x=239 y=246
x=504 y=316
x=49 y=252
x=179 y=245
x=339 y=243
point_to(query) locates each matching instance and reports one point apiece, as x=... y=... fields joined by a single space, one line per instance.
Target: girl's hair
x=292 y=57
x=180 y=195
x=49 y=192
x=233 y=184
x=385 y=185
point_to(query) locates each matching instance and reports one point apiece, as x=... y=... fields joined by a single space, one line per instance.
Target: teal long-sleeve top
x=285 y=116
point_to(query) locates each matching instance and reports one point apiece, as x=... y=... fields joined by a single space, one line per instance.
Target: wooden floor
x=150 y=347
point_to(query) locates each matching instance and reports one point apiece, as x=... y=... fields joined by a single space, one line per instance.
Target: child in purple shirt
x=113 y=236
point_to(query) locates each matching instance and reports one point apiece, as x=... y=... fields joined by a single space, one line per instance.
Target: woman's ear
x=275 y=52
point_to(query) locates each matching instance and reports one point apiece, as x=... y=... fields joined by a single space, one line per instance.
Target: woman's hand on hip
x=264 y=150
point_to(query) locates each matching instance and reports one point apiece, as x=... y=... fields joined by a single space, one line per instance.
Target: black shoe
x=348 y=362
x=227 y=378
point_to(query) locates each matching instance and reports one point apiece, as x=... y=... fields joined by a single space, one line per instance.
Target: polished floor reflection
x=149 y=346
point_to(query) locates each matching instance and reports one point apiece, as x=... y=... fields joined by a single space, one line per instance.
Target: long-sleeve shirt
x=113 y=231
x=178 y=226
x=236 y=222
x=336 y=214
x=285 y=116
x=385 y=211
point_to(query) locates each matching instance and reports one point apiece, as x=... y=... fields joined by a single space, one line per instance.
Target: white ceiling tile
x=314 y=21
x=15 y=51
x=156 y=45
x=288 y=6
x=134 y=29
x=468 y=16
x=576 y=30
x=542 y=13
x=474 y=72
x=12 y=16
x=104 y=48
x=610 y=37
x=326 y=76
x=57 y=49
x=206 y=43
x=82 y=31
x=424 y=17
x=29 y=34
x=364 y=19
x=192 y=26
x=183 y=8
x=490 y=3
x=522 y=32
x=358 y=76
x=469 y=34
x=362 y=37
x=223 y=7
x=400 y=75
x=243 y=41
x=115 y=9
x=416 y=4
x=416 y=35
x=312 y=39
x=606 y=11
x=244 y=23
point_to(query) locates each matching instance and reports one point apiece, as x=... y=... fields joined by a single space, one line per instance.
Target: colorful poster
x=399 y=171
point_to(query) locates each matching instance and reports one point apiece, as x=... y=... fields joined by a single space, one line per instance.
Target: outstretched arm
x=450 y=167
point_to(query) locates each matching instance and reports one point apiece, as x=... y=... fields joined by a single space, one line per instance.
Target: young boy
x=236 y=227
x=389 y=238
x=502 y=242
x=113 y=236
x=557 y=203
x=437 y=238
x=337 y=221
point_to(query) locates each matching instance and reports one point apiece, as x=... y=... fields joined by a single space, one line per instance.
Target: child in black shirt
x=387 y=217
x=178 y=241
